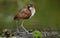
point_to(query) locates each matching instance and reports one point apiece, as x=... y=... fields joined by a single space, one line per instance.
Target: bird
x=26 y=12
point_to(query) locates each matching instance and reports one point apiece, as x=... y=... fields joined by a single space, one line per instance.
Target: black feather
x=15 y=18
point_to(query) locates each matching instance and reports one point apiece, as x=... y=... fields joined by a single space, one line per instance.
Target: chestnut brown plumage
x=25 y=12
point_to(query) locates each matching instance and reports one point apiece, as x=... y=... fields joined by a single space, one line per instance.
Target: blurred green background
x=47 y=14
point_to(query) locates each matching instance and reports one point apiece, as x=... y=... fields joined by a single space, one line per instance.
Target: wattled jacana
x=25 y=13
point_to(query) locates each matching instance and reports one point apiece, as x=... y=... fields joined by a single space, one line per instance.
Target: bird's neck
x=32 y=12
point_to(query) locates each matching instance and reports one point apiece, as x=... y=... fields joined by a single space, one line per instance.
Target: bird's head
x=31 y=8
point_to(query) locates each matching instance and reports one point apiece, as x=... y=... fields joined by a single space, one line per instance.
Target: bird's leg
x=17 y=25
x=22 y=23
x=23 y=26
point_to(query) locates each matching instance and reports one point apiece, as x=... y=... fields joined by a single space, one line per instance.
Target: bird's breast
x=32 y=12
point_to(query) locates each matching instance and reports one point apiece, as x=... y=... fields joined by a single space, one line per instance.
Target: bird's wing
x=23 y=13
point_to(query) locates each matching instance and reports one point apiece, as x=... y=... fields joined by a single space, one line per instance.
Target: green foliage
x=37 y=34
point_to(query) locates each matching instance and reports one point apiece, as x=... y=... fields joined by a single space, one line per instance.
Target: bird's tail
x=15 y=18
